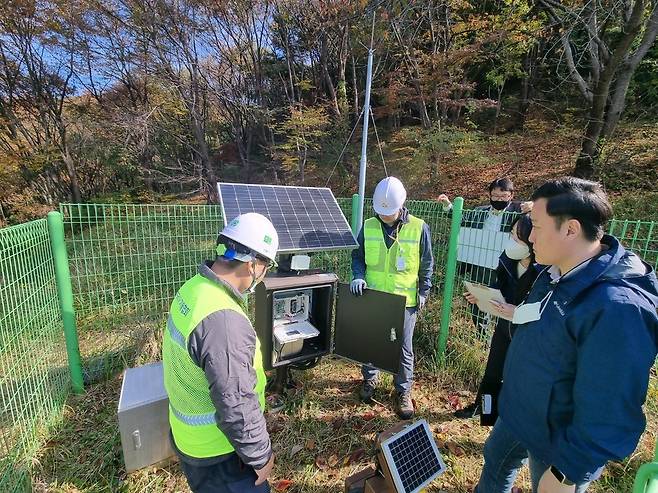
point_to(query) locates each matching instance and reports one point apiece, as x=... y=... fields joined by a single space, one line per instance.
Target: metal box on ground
x=143 y=417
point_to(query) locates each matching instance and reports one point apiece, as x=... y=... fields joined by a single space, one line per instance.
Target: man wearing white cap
x=213 y=368
x=395 y=256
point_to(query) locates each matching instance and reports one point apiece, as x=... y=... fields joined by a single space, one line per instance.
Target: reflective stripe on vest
x=194 y=419
x=383 y=265
x=191 y=410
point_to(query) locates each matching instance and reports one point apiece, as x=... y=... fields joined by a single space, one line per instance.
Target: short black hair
x=575 y=198
x=523 y=229
x=505 y=184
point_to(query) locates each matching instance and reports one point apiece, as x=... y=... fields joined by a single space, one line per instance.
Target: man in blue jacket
x=577 y=370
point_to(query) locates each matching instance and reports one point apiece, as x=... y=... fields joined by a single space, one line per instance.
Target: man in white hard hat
x=213 y=369
x=394 y=255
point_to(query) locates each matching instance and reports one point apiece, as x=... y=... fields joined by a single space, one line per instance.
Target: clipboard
x=485 y=294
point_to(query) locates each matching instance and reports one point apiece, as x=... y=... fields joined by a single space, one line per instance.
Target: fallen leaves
x=454 y=401
x=334 y=461
x=283 y=485
x=295 y=449
x=455 y=449
x=355 y=456
x=321 y=463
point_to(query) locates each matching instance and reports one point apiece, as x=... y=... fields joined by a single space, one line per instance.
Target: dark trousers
x=493 y=373
x=227 y=476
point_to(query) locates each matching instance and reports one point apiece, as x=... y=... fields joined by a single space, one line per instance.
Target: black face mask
x=499 y=205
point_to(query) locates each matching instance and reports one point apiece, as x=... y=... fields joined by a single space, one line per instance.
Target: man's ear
x=574 y=228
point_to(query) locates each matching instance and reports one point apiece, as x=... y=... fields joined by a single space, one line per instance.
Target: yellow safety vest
x=191 y=410
x=395 y=269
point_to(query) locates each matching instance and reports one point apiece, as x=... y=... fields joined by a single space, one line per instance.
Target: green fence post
x=646 y=480
x=355 y=215
x=65 y=293
x=451 y=269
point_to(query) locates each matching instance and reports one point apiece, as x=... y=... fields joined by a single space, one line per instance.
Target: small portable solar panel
x=307 y=219
x=413 y=458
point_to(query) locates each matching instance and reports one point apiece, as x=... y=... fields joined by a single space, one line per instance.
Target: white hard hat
x=255 y=232
x=389 y=196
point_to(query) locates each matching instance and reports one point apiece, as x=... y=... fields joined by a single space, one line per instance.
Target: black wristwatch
x=562 y=479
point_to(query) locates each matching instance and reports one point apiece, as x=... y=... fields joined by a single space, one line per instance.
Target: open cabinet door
x=368 y=328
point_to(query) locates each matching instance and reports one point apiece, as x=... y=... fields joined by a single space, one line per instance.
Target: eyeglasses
x=270 y=264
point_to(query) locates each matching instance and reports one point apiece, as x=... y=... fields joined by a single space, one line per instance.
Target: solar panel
x=413 y=458
x=307 y=219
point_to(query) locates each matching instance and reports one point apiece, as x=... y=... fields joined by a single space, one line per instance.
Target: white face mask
x=530 y=312
x=255 y=281
x=516 y=250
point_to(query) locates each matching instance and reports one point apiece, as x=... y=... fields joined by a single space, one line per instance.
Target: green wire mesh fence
x=34 y=376
x=126 y=263
x=639 y=236
x=128 y=260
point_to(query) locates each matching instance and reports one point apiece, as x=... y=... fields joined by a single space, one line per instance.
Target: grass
x=323 y=435
x=125 y=270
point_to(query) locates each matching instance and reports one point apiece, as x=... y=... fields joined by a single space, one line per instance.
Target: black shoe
x=404 y=406
x=367 y=391
x=470 y=411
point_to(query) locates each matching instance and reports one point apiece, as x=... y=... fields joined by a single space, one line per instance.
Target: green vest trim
x=393 y=270
x=191 y=410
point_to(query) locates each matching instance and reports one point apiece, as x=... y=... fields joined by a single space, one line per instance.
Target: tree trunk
x=73 y=175
x=422 y=109
x=589 y=152
x=292 y=76
x=527 y=85
x=617 y=101
x=204 y=157
x=329 y=84
x=357 y=110
x=342 y=66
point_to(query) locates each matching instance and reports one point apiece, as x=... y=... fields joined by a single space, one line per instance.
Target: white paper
x=484 y=295
x=480 y=247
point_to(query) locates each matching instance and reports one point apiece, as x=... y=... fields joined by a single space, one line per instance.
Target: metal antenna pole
x=364 y=137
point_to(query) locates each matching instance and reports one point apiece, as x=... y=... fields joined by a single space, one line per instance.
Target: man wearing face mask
x=213 y=370
x=491 y=217
x=498 y=216
x=577 y=369
x=395 y=256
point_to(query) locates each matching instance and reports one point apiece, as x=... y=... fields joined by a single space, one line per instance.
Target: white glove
x=357 y=286
x=421 y=302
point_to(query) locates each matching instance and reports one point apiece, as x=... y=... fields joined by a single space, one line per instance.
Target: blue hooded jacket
x=575 y=380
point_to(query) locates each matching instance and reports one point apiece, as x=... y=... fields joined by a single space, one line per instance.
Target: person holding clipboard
x=514 y=276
